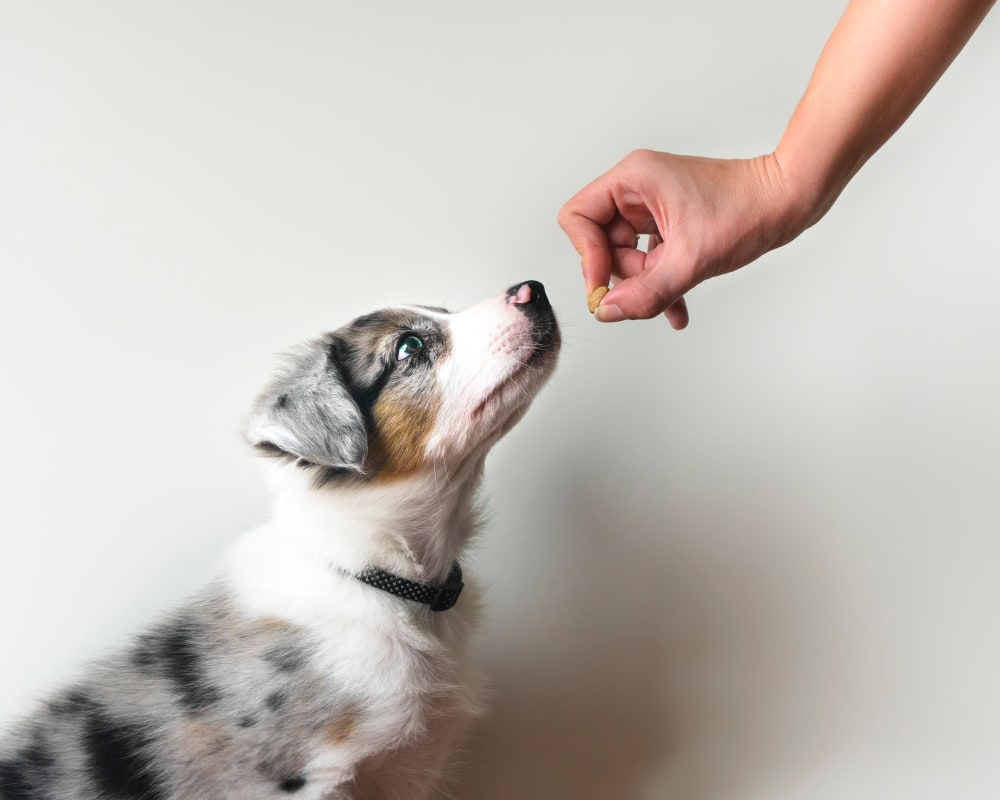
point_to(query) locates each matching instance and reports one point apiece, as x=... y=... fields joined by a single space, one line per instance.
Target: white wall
x=759 y=558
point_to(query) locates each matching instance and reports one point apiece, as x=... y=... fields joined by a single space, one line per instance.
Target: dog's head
x=400 y=390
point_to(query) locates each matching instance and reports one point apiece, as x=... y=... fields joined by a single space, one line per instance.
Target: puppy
x=329 y=656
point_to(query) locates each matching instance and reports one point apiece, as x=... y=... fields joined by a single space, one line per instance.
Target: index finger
x=583 y=218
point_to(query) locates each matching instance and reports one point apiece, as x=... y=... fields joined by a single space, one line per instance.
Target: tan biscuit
x=595 y=297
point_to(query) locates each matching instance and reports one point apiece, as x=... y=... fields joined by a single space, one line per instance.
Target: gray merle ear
x=308 y=412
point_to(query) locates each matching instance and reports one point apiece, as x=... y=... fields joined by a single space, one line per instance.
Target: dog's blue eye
x=408 y=346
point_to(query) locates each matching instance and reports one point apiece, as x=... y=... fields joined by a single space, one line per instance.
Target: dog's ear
x=308 y=412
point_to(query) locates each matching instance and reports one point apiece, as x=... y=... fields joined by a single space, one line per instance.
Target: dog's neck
x=414 y=526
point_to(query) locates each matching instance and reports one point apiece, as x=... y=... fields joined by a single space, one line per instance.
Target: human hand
x=705 y=217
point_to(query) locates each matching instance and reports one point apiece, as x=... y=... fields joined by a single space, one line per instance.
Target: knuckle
x=644 y=306
x=649 y=301
x=640 y=157
x=647 y=309
x=564 y=217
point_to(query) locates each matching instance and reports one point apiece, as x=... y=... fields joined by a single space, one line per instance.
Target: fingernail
x=609 y=313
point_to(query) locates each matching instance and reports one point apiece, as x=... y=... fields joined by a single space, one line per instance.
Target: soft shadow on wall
x=668 y=659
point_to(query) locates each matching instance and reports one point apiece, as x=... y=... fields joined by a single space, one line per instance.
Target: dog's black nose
x=529 y=296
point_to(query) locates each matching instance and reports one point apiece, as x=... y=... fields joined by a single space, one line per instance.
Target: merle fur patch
x=174 y=652
x=26 y=775
x=118 y=759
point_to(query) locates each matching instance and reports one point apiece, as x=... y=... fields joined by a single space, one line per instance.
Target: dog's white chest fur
x=411 y=669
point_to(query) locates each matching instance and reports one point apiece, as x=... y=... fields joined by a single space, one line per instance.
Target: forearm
x=879 y=63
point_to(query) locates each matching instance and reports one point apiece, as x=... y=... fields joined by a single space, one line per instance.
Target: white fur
x=413 y=665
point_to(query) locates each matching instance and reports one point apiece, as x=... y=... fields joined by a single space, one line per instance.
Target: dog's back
x=209 y=703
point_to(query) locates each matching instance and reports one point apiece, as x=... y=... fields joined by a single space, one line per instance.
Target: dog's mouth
x=518 y=388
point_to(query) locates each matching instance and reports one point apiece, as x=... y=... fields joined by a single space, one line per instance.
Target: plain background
x=756 y=559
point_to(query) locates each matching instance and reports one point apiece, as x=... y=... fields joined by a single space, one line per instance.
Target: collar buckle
x=447 y=594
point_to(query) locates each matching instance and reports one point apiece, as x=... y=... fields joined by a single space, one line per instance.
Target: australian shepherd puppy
x=329 y=656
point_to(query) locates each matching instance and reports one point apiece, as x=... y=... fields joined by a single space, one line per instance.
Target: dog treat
x=595 y=297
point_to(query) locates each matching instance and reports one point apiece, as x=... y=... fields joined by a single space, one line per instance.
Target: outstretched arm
x=880 y=62
x=709 y=216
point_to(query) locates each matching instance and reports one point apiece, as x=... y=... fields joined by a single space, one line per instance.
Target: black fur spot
x=14 y=784
x=292 y=784
x=26 y=775
x=286 y=658
x=247 y=721
x=144 y=656
x=367 y=395
x=344 y=358
x=118 y=763
x=72 y=703
x=173 y=653
x=275 y=700
x=183 y=664
x=282 y=401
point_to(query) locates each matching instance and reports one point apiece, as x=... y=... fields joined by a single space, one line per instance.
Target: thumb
x=646 y=293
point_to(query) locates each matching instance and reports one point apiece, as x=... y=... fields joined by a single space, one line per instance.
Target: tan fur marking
x=201 y=739
x=403 y=426
x=340 y=728
x=273 y=624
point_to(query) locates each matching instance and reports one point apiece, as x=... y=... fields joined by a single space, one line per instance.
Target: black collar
x=439 y=598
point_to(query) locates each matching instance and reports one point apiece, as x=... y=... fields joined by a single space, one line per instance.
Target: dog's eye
x=409 y=345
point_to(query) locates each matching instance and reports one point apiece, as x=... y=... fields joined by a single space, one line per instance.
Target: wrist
x=805 y=191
